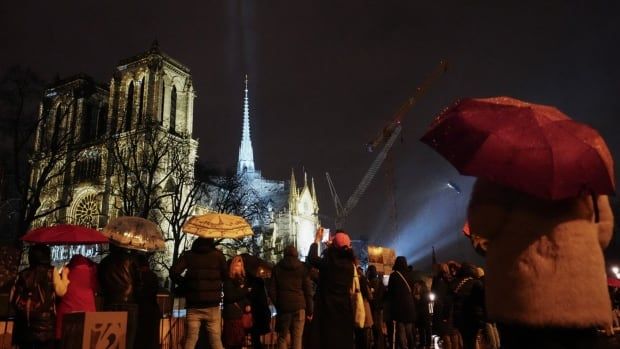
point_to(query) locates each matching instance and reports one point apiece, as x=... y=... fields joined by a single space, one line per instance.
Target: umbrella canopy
x=613 y=282
x=65 y=234
x=135 y=233
x=532 y=148
x=218 y=226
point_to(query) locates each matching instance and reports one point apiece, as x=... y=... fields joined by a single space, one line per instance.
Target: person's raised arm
x=313 y=253
x=61 y=281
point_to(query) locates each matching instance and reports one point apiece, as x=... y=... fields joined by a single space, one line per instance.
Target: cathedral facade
x=102 y=134
x=97 y=130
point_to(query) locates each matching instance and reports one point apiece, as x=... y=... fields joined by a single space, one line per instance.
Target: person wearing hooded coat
x=334 y=318
x=78 y=294
x=35 y=329
x=545 y=271
x=402 y=303
x=291 y=293
x=205 y=271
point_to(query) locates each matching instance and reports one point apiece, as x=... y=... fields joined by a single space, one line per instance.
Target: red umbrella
x=65 y=234
x=532 y=148
x=613 y=282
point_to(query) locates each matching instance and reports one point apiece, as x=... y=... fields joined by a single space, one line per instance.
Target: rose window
x=87 y=211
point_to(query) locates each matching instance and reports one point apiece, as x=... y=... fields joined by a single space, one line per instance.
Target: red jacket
x=80 y=294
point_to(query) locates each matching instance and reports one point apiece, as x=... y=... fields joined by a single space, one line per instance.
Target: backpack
x=33 y=297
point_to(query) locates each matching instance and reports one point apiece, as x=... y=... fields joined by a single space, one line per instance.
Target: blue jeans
x=213 y=324
x=293 y=323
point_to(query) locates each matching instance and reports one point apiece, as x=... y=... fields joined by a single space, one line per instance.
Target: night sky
x=327 y=75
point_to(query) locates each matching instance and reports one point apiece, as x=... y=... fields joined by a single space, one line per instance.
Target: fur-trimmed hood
x=545 y=264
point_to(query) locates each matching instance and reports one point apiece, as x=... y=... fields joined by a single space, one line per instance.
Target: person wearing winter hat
x=334 y=315
x=290 y=290
x=341 y=240
x=545 y=270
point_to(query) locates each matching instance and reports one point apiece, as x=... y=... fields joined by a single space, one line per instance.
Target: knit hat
x=341 y=239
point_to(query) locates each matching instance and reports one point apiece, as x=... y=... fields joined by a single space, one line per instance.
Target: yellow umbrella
x=135 y=233
x=218 y=226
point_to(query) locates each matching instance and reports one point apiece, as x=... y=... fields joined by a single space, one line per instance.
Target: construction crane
x=387 y=137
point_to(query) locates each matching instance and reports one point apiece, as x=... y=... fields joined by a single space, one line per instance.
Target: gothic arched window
x=173 y=109
x=101 y=120
x=90 y=122
x=141 y=105
x=55 y=129
x=87 y=166
x=163 y=99
x=129 y=108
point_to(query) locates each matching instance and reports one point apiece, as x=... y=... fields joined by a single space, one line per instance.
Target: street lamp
x=431 y=310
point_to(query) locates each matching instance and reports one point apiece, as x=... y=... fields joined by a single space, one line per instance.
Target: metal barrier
x=172 y=326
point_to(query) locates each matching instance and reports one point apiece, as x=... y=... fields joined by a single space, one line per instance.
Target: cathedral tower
x=88 y=123
x=153 y=87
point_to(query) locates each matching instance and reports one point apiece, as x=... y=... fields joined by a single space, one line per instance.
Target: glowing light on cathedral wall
x=306 y=224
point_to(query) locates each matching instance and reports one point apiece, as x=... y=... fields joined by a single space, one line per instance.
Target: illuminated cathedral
x=148 y=89
x=293 y=209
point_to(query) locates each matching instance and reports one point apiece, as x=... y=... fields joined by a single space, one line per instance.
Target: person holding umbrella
x=119 y=273
x=541 y=202
x=120 y=281
x=76 y=292
x=205 y=271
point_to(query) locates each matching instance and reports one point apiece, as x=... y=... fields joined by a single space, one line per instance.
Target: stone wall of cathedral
x=150 y=87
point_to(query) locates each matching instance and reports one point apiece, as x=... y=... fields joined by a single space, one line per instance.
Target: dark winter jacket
x=399 y=295
x=206 y=269
x=444 y=299
x=378 y=291
x=119 y=277
x=468 y=293
x=236 y=297
x=150 y=313
x=34 y=319
x=334 y=308
x=291 y=289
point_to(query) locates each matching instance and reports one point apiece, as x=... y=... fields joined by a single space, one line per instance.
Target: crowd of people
x=42 y=295
x=527 y=297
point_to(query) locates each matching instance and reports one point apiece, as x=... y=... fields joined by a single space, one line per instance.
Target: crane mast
x=387 y=137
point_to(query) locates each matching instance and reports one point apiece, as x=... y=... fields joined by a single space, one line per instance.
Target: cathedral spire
x=246 y=153
x=293 y=191
x=314 y=200
x=292 y=195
